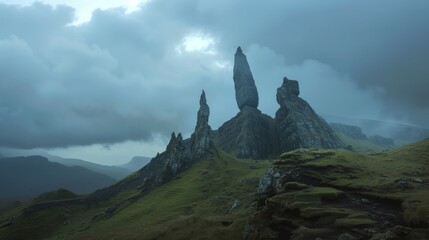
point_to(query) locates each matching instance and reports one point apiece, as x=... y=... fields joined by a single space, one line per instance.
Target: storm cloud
x=132 y=76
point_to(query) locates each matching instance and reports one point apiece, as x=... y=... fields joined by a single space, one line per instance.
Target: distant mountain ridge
x=22 y=178
x=115 y=172
x=401 y=133
x=136 y=163
x=358 y=141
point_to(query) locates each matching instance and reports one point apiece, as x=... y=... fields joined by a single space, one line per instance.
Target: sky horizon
x=110 y=80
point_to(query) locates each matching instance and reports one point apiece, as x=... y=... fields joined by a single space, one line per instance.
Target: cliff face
x=298 y=126
x=250 y=134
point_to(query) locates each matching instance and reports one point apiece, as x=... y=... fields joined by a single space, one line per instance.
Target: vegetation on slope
x=214 y=196
x=337 y=193
x=304 y=194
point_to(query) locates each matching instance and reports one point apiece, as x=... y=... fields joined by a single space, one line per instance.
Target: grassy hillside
x=22 y=178
x=329 y=193
x=215 y=197
x=362 y=145
x=310 y=193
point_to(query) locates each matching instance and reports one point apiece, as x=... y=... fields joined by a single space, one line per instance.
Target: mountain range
x=22 y=178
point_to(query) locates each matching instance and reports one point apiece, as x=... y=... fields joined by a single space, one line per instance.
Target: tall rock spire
x=246 y=93
x=201 y=138
x=203 y=112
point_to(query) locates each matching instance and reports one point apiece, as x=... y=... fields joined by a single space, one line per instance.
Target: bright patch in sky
x=197 y=42
x=84 y=8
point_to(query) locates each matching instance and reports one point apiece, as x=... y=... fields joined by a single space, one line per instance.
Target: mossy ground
x=197 y=204
x=329 y=192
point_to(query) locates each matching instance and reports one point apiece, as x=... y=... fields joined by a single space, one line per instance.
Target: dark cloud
x=378 y=44
x=121 y=77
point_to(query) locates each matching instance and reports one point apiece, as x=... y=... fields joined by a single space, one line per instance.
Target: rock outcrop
x=246 y=93
x=161 y=169
x=298 y=126
x=201 y=138
x=178 y=156
x=250 y=134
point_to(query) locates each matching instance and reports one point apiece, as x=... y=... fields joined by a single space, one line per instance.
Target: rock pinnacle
x=246 y=93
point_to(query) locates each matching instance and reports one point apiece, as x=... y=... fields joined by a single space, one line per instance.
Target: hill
x=115 y=172
x=214 y=195
x=401 y=133
x=22 y=178
x=304 y=194
x=359 y=142
x=136 y=163
x=340 y=194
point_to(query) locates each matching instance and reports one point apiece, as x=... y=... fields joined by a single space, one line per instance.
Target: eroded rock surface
x=246 y=93
x=250 y=134
x=201 y=138
x=298 y=125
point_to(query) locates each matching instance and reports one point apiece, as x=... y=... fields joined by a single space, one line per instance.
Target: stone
x=161 y=169
x=250 y=134
x=298 y=125
x=246 y=93
x=201 y=138
x=235 y=204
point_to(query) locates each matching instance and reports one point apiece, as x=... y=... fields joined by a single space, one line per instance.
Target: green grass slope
x=211 y=200
x=314 y=193
x=334 y=193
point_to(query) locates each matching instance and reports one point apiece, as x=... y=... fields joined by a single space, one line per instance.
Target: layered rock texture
x=201 y=139
x=252 y=134
x=298 y=126
x=246 y=93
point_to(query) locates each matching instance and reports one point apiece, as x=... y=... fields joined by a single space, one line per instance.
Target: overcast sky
x=115 y=83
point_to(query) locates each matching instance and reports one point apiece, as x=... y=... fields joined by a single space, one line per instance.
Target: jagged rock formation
x=178 y=156
x=201 y=138
x=298 y=125
x=246 y=93
x=250 y=134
